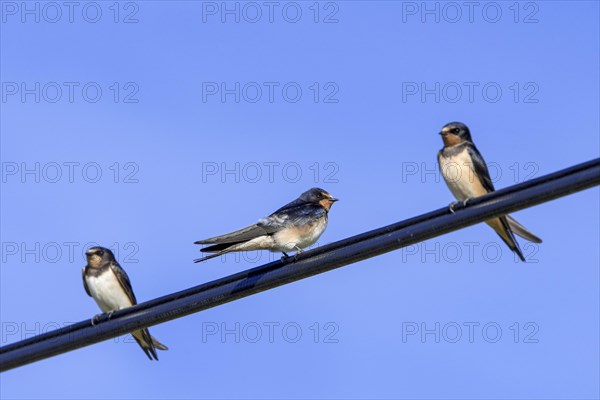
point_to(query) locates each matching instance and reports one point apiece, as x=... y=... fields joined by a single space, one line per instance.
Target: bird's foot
x=295 y=256
x=95 y=319
x=109 y=315
x=454 y=204
x=298 y=252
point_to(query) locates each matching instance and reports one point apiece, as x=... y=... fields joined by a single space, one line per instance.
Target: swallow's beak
x=443 y=133
x=333 y=200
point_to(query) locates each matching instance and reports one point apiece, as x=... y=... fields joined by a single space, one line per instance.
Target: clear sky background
x=357 y=100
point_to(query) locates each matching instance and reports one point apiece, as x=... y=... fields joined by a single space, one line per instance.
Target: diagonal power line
x=313 y=262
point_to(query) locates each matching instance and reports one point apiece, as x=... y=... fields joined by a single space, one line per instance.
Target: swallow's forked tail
x=520 y=230
x=219 y=250
x=501 y=226
x=507 y=227
x=197 y=260
x=148 y=343
x=158 y=345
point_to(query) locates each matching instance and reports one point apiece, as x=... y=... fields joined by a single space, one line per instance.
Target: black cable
x=309 y=263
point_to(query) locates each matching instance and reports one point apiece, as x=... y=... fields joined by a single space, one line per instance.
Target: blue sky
x=184 y=120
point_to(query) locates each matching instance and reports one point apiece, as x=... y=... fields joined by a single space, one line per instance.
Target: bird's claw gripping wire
x=298 y=252
x=295 y=256
x=456 y=203
x=96 y=318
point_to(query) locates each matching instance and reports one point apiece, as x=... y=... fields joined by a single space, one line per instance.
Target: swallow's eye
x=456 y=130
x=100 y=253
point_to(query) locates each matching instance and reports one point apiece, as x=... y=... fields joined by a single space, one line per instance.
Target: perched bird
x=467 y=176
x=108 y=284
x=294 y=226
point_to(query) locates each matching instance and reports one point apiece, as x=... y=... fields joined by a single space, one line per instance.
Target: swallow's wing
x=291 y=215
x=294 y=213
x=123 y=281
x=85 y=286
x=265 y=226
x=242 y=235
x=480 y=168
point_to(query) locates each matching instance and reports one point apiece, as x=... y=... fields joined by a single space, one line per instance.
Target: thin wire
x=309 y=263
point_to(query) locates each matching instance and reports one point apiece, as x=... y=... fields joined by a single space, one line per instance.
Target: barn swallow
x=467 y=176
x=294 y=226
x=107 y=283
